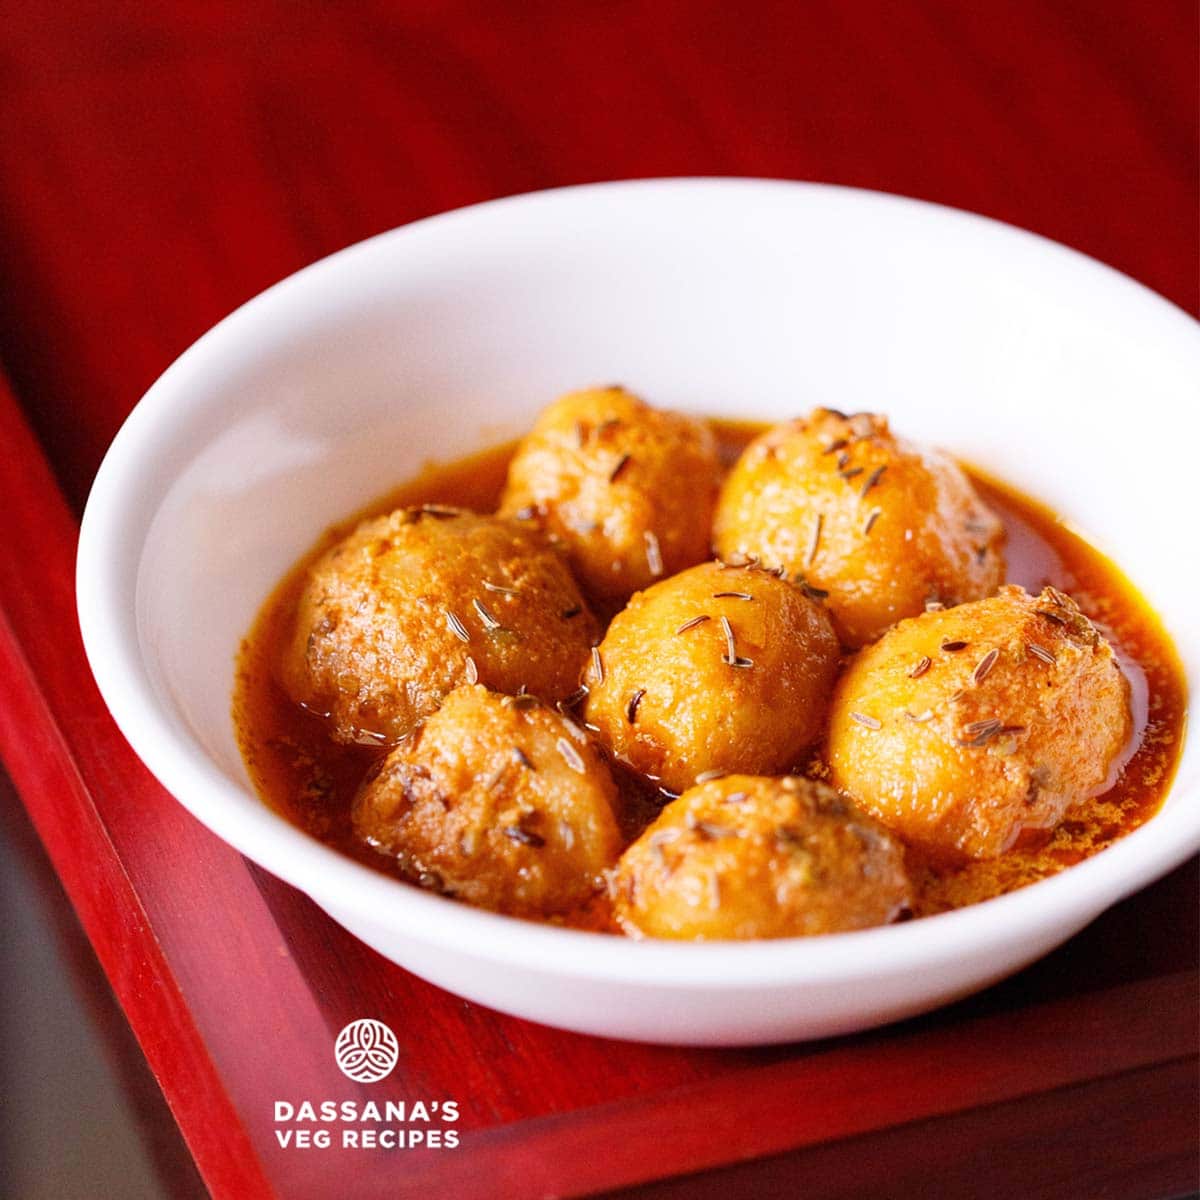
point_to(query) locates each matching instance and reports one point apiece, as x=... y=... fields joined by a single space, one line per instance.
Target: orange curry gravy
x=312 y=781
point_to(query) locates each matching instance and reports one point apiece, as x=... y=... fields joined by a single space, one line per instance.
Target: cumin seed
x=731 y=657
x=872 y=479
x=486 y=615
x=1041 y=652
x=984 y=666
x=622 y=463
x=990 y=725
x=730 y=645
x=456 y=626
x=815 y=541
x=570 y=755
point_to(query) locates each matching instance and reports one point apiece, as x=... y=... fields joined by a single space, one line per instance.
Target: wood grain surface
x=160 y=164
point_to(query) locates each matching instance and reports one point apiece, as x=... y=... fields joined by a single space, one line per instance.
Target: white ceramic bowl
x=724 y=297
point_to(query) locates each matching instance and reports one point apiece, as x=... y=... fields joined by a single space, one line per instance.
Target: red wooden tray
x=157 y=169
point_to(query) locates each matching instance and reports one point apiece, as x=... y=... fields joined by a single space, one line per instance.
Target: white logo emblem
x=366 y=1051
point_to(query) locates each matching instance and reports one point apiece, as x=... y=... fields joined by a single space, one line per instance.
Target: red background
x=161 y=164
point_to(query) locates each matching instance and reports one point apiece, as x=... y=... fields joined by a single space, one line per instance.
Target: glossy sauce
x=312 y=781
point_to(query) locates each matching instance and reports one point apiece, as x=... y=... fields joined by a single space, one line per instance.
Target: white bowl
x=724 y=297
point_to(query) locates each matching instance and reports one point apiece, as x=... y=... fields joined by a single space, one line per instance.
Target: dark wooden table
x=161 y=164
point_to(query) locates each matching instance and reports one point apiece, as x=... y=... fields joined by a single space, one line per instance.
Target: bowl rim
x=350 y=891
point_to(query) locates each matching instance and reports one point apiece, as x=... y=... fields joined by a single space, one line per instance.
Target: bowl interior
x=740 y=299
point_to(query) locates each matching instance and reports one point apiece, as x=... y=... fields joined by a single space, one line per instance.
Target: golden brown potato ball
x=499 y=801
x=959 y=729
x=751 y=857
x=713 y=669
x=627 y=490
x=881 y=525
x=414 y=603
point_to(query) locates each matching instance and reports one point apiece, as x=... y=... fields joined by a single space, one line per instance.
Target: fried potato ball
x=713 y=669
x=881 y=525
x=414 y=603
x=751 y=857
x=626 y=489
x=960 y=729
x=499 y=801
